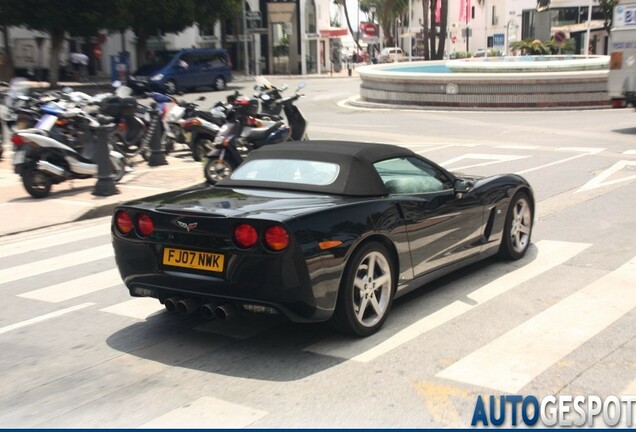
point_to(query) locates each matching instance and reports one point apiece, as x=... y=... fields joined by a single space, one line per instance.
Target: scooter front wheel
x=217 y=169
x=36 y=183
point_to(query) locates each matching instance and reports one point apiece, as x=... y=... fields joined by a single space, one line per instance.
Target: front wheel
x=219 y=83
x=217 y=169
x=366 y=291
x=171 y=87
x=36 y=183
x=517 y=228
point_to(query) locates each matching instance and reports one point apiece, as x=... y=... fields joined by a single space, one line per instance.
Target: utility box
x=621 y=83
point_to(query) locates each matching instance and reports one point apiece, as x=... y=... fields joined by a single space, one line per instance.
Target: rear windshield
x=288 y=171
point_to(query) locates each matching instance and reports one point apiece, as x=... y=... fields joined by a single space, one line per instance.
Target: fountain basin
x=512 y=82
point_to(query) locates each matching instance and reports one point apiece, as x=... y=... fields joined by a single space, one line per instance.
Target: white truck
x=621 y=83
x=29 y=57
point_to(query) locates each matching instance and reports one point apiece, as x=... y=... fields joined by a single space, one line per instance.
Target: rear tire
x=200 y=149
x=216 y=170
x=36 y=183
x=119 y=168
x=366 y=291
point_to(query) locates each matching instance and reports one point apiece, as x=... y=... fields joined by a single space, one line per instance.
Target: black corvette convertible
x=318 y=231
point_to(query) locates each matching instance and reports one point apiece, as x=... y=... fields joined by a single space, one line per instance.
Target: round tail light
x=123 y=222
x=145 y=226
x=245 y=236
x=276 y=238
x=17 y=140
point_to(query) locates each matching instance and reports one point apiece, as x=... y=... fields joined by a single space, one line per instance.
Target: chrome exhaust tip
x=207 y=310
x=171 y=304
x=187 y=306
x=224 y=311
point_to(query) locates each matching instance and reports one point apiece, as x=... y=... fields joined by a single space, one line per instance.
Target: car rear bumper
x=280 y=281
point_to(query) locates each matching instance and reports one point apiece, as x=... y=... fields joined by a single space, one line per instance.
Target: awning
x=333 y=32
x=581 y=27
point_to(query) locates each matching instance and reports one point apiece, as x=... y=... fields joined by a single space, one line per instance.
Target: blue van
x=172 y=71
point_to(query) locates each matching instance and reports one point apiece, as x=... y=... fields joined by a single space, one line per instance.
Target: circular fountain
x=529 y=82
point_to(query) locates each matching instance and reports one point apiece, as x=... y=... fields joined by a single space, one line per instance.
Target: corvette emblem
x=187 y=226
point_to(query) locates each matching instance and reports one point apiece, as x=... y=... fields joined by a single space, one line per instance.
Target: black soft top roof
x=357 y=176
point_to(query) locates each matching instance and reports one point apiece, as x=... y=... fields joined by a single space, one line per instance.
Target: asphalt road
x=78 y=352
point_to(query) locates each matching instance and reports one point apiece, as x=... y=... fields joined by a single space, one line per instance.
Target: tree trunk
x=8 y=67
x=355 y=39
x=433 y=34
x=425 y=29
x=140 y=49
x=443 y=24
x=57 y=40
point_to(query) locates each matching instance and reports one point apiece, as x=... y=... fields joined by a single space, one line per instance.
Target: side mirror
x=116 y=84
x=201 y=98
x=462 y=186
x=301 y=85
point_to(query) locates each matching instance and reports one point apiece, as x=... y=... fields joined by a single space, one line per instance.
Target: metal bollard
x=105 y=185
x=154 y=135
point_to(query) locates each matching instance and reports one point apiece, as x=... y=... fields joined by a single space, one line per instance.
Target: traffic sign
x=97 y=52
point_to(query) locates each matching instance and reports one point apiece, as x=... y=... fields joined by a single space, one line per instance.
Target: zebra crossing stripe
x=53 y=240
x=45 y=317
x=55 y=263
x=550 y=254
x=514 y=359
x=207 y=412
x=76 y=287
x=137 y=308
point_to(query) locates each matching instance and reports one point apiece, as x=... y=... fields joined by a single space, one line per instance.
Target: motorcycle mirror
x=265 y=97
x=284 y=87
x=301 y=85
x=201 y=98
x=67 y=89
x=116 y=84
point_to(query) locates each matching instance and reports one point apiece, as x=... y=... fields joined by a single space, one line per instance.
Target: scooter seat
x=104 y=120
x=261 y=134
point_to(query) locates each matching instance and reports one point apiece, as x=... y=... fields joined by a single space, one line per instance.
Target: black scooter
x=246 y=132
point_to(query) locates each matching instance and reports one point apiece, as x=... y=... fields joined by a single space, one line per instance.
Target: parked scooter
x=176 y=114
x=245 y=132
x=42 y=161
x=201 y=129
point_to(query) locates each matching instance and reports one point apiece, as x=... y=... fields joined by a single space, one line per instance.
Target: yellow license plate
x=193 y=259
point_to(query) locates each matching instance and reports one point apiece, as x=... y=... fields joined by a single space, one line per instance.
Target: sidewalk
x=73 y=200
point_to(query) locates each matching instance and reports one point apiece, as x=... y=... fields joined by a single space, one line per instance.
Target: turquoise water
x=419 y=69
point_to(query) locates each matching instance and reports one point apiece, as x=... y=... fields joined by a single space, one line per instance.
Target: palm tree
x=343 y=3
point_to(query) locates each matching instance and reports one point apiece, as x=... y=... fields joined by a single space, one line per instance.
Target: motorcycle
x=247 y=131
x=41 y=160
x=128 y=139
x=201 y=129
x=175 y=115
